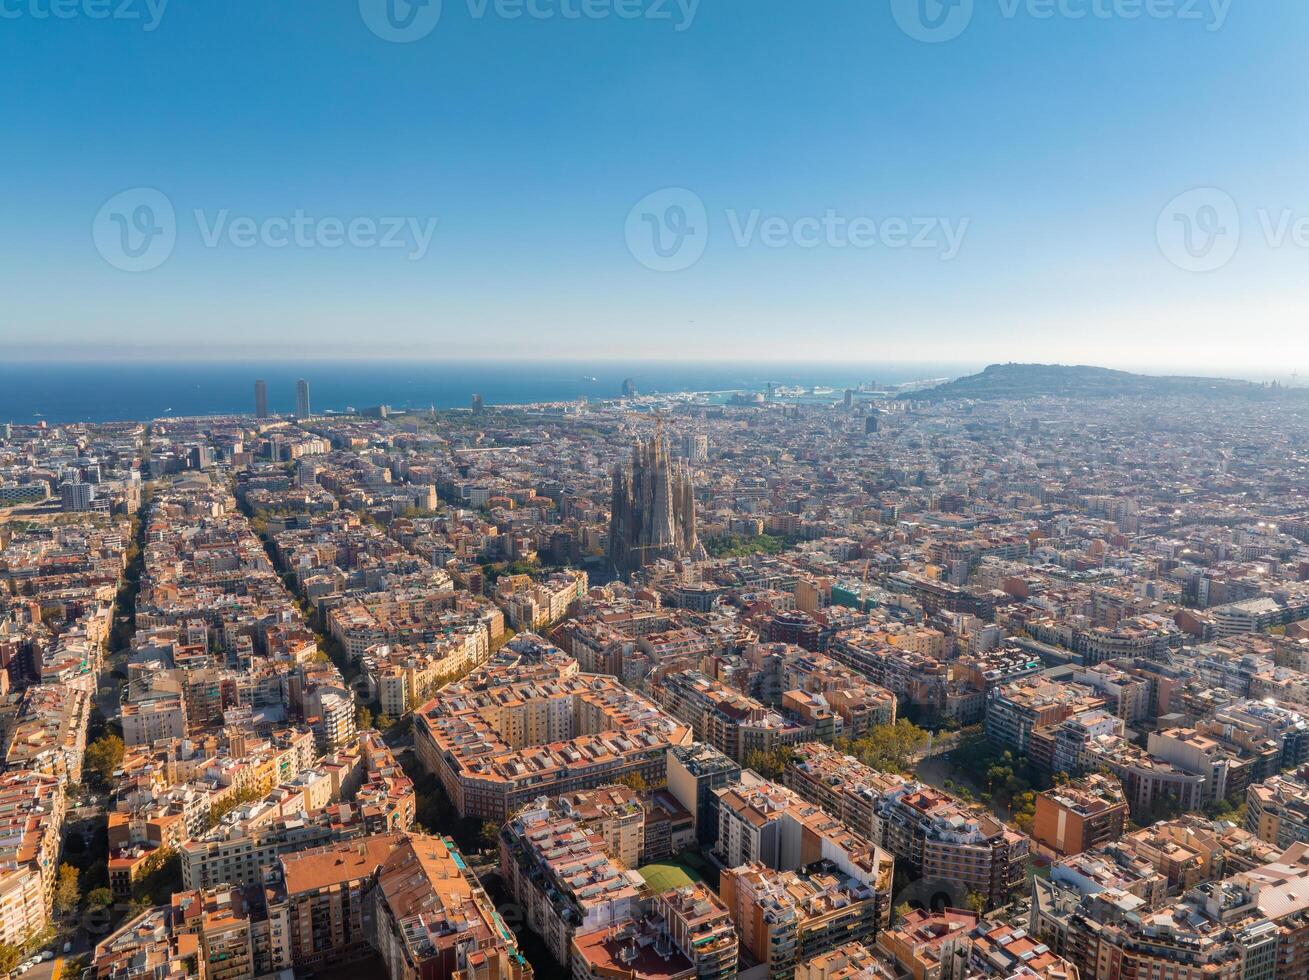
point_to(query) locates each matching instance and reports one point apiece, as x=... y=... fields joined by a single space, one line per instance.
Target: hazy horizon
x=793 y=365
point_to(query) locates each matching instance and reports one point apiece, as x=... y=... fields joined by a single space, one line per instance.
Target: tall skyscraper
x=653 y=508
x=302 y=399
x=261 y=399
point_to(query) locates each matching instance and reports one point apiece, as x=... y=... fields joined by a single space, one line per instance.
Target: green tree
x=889 y=748
x=103 y=756
x=1023 y=814
x=976 y=901
x=99 y=898
x=490 y=833
x=902 y=911
x=363 y=718
x=67 y=892
x=161 y=875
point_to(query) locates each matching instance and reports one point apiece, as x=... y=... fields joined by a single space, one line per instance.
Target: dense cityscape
x=1003 y=678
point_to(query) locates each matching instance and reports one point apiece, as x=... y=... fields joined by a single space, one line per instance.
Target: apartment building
x=763 y=823
x=1015 y=710
x=558 y=871
x=1080 y=815
x=160 y=715
x=31 y=818
x=939 y=837
x=513 y=731
x=1277 y=810
x=853 y=961
x=432 y=920
x=786 y=918
x=927 y=945
x=325 y=891
x=1148 y=781
x=700 y=926
x=49 y=734
x=731 y=722
x=842 y=785
x=694 y=772
x=934 y=833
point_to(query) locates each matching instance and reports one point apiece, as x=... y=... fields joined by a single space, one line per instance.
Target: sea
x=115 y=391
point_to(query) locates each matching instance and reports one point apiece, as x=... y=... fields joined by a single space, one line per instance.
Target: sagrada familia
x=653 y=514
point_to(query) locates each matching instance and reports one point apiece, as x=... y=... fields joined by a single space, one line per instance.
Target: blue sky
x=1033 y=160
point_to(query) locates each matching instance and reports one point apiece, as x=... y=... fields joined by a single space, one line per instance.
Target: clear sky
x=755 y=179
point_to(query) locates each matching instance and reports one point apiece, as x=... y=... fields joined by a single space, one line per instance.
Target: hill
x=1011 y=381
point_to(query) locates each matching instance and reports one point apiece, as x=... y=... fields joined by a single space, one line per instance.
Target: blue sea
x=120 y=391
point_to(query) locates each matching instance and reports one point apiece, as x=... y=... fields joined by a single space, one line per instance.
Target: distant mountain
x=1012 y=381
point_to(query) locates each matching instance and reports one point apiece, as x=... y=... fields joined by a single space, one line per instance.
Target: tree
x=902 y=911
x=1023 y=814
x=383 y=722
x=633 y=781
x=976 y=901
x=66 y=889
x=160 y=876
x=490 y=834
x=103 y=756
x=363 y=718
x=769 y=764
x=889 y=748
x=99 y=898
x=10 y=957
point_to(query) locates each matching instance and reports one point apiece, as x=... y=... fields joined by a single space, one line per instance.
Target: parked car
x=68 y=947
x=48 y=954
